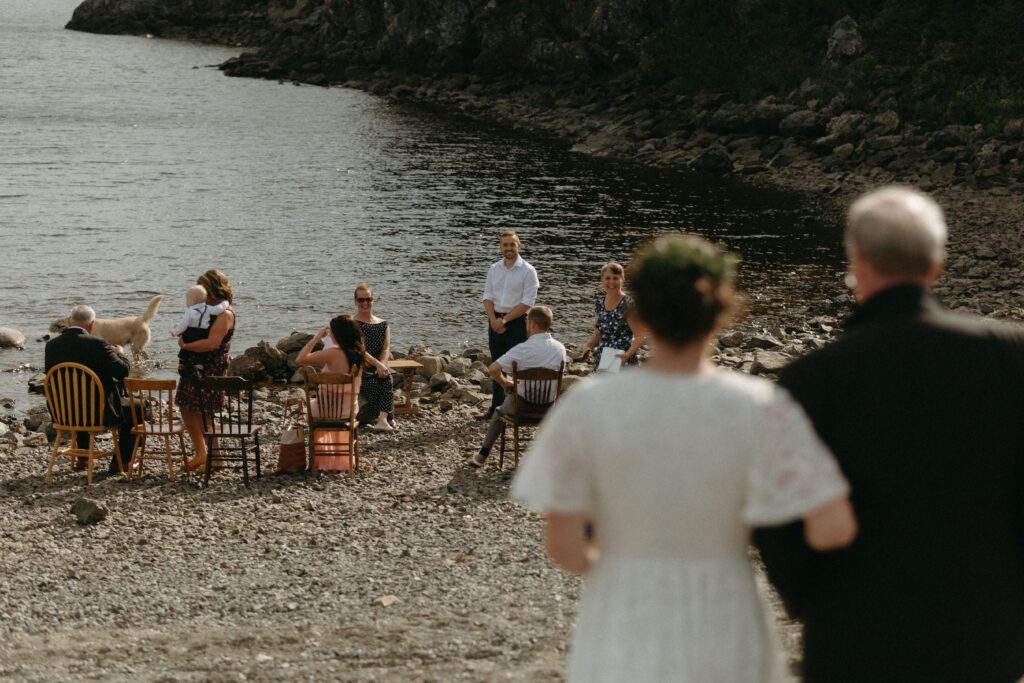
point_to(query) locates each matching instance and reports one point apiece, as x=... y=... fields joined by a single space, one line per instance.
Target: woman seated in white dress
x=652 y=480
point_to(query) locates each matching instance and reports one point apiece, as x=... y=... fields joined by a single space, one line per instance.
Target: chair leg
x=184 y=455
x=170 y=457
x=501 y=452
x=311 y=465
x=259 y=474
x=245 y=462
x=53 y=459
x=209 y=462
x=91 y=459
x=72 y=443
x=515 y=444
x=353 y=450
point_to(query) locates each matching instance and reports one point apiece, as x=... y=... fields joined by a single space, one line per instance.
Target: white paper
x=609 y=360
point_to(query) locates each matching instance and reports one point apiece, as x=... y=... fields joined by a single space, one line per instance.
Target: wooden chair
x=230 y=420
x=152 y=408
x=77 y=402
x=335 y=411
x=541 y=386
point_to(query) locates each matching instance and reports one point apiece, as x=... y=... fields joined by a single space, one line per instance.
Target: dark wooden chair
x=540 y=387
x=152 y=407
x=331 y=406
x=76 y=400
x=229 y=421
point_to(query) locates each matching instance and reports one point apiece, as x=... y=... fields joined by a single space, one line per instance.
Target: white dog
x=122 y=331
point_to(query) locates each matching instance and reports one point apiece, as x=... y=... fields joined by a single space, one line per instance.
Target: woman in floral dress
x=611 y=323
x=212 y=354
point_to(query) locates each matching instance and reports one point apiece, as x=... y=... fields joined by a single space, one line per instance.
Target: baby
x=195 y=325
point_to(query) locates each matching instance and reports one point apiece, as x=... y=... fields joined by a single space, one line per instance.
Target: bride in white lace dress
x=671 y=466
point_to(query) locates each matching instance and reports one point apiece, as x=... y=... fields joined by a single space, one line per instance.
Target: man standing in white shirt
x=541 y=350
x=510 y=291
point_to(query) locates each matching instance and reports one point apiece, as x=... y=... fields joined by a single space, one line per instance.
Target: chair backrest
x=74 y=396
x=335 y=395
x=232 y=414
x=540 y=386
x=151 y=403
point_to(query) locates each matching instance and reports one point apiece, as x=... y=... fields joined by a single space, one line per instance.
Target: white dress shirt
x=509 y=287
x=540 y=350
x=198 y=315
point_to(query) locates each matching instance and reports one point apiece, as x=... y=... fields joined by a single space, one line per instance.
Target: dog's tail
x=154 y=304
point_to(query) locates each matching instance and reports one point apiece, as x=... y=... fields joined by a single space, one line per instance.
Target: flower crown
x=691 y=255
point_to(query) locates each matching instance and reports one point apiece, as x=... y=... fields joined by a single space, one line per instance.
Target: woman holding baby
x=211 y=354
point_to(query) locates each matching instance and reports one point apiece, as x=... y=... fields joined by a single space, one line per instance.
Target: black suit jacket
x=74 y=345
x=924 y=411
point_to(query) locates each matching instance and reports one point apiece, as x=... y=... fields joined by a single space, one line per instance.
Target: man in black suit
x=924 y=410
x=76 y=344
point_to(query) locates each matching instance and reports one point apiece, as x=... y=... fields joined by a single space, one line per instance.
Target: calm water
x=128 y=167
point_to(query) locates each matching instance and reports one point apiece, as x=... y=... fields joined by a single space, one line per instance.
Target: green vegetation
x=937 y=61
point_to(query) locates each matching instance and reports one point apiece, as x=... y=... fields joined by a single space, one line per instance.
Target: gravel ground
x=292 y=579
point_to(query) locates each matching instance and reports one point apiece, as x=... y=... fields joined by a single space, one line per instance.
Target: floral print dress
x=615 y=332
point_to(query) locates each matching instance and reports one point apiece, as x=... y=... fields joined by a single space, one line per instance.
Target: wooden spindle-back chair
x=540 y=386
x=227 y=421
x=77 y=403
x=335 y=411
x=152 y=407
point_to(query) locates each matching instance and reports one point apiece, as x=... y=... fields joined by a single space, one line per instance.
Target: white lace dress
x=674 y=470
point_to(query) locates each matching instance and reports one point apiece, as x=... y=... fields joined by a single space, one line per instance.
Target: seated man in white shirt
x=540 y=350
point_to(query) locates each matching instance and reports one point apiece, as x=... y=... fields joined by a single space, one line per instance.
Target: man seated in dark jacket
x=76 y=344
x=924 y=410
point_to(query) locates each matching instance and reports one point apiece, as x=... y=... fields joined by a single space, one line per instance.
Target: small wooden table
x=408 y=368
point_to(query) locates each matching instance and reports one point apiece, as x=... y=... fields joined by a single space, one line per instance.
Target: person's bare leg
x=193 y=422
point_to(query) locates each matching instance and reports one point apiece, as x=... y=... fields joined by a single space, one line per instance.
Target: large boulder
x=459 y=367
x=440 y=381
x=248 y=367
x=1014 y=129
x=35 y=383
x=88 y=511
x=273 y=359
x=714 y=159
x=11 y=338
x=844 y=40
x=848 y=126
x=768 y=363
x=604 y=143
x=802 y=122
x=887 y=122
x=294 y=343
x=35 y=418
x=431 y=365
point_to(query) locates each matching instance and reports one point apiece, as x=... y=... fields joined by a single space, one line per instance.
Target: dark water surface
x=126 y=171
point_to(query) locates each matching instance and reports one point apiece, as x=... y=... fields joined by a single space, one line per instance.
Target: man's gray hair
x=81 y=315
x=898 y=231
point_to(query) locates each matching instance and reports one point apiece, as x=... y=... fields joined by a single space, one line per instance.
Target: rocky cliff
x=321 y=40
